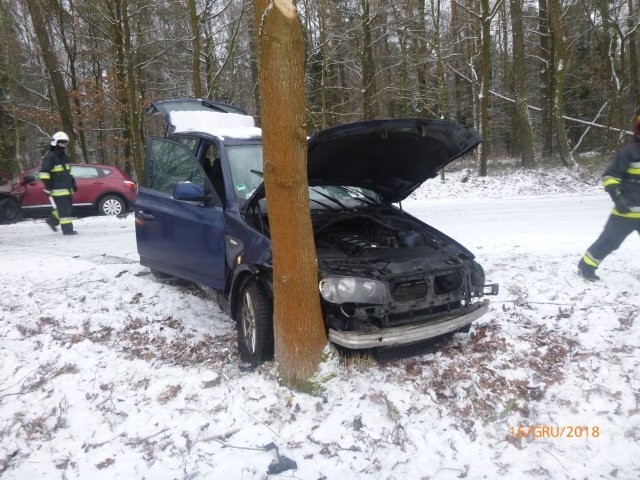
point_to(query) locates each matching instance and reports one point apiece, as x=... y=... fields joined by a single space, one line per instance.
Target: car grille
x=407 y=291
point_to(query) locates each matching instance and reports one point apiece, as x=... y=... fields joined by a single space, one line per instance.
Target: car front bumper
x=407 y=334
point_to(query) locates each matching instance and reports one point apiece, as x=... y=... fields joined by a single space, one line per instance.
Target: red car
x=102 y=189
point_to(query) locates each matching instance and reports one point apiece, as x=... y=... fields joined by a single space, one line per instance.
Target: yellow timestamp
x=555 y=431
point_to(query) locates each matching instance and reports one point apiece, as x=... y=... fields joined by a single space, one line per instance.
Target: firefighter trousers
x=61 y=215
x=615 y=231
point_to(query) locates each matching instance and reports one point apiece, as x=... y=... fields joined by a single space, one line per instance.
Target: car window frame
x=195 y=168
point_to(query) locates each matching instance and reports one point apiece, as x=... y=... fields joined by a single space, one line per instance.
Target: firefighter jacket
x=55 y=173
x=622 y=177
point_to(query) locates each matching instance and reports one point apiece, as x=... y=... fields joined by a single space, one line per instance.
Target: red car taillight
x=132 y=185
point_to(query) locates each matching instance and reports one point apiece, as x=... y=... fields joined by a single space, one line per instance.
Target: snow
x=218 y=124
x=106 y=372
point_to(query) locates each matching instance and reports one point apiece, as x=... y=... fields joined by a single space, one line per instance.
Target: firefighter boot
x=587 y=271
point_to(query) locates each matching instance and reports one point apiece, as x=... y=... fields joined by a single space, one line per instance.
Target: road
x=565 y=224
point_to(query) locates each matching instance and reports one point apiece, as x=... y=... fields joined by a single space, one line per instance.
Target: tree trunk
x=634 y=68
x=297 y=324
x=485 y=79
x=69 y=41
x=195 y=44
x=437 y=46
x=546 y=79
x=324 y=53
x=560 y=74
x=523 y=119
x=369 y=105
x=51 y=62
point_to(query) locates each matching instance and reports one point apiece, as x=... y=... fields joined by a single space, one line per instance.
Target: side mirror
x=188 y=192
x=29 y=179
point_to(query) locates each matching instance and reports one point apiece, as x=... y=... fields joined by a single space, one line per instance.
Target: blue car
x=386 y=279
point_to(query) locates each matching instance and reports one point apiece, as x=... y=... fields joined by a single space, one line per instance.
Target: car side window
x=169 y=163
x=189 y=142
x=81 y=171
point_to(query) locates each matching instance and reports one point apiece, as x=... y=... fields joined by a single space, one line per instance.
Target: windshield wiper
x=367 y=199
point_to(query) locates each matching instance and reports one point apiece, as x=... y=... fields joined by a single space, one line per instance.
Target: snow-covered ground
x=107 y=373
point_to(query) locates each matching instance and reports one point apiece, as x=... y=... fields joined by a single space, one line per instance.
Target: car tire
x=111 y=205
x=9 y=210
x=254 y=321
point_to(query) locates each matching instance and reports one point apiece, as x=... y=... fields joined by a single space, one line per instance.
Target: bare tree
x=299 y=333
x=37 y=11
x=523 y=119
x=369 y=90
x=557 y=28
x=194 y=23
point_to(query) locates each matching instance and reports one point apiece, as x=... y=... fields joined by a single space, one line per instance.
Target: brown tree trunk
x=634 y=68
x=546 y=79
x=485 y=78
x=523 y=119
x=369 y=90
x=195 y=44
x=298 y=328
x=51 y=62
x=70 y=41
x=560 y=73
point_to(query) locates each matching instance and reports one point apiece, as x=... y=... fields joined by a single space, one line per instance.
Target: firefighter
x=621 y=180
x=60 y=185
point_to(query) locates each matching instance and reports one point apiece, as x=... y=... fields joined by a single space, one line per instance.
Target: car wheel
x=111 y=205
x=9 y=210
x=254 y=320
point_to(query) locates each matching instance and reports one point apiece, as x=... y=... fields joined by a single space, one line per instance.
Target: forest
x=544 y=82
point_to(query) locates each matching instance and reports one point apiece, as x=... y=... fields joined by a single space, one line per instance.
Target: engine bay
x=355 y=234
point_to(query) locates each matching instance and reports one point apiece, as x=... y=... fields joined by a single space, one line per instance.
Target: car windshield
x=245 y=162
x=341 y=197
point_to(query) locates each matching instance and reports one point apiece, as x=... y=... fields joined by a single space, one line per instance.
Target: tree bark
x=546 y=79
x=485 y=79
x=194 y=24
x=523 y=119
x=51 y=62
x=634 y=68
x=299 y=332
x=560 y=74
x=369 y=90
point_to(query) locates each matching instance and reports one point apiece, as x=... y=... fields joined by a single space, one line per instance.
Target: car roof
x=196 y=115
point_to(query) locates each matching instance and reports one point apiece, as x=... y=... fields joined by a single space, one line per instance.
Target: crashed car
x=386 y=279
x=9 y=207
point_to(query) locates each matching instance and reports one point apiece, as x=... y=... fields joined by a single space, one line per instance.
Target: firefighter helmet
x=59 y=137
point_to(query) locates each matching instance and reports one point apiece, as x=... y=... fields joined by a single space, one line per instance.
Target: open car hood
x=389 y=157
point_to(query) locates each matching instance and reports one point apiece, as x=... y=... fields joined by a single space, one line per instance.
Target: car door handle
x=145 y=215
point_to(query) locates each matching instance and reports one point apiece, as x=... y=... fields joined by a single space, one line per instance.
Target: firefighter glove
x=615 y=192
x=621 y=204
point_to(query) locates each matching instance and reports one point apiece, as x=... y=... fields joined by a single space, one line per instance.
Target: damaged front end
x=390 y=280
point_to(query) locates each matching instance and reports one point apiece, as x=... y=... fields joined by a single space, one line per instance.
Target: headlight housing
x=353 y=290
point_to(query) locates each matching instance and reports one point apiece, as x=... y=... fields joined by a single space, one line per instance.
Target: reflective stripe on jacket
x=55 y=173
x=624 y=173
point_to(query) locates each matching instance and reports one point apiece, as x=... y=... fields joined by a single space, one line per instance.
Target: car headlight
x=352 y=290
